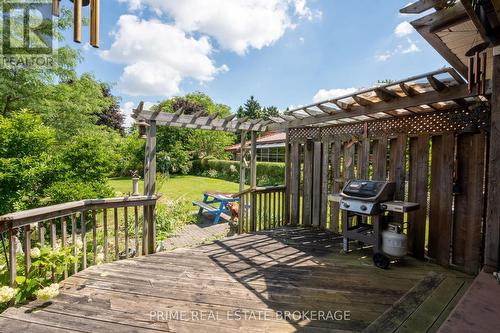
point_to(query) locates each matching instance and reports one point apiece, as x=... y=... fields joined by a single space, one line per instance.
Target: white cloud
x=324 y=94
x=403 y=29
x=128 y=108
x=158 y=56
x=399 y=50
x=383 y=56
x=237 y=25
x=411 y=48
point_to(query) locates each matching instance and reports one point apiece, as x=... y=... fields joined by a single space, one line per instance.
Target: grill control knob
x=363 y=208
x=383 y=206
x=346 y=205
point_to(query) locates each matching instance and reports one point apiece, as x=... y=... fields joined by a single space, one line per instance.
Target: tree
x=183 y=144
x=271 y=111
x=111 y=116
x=253 y=110
x=73 y=105
x=25 y=87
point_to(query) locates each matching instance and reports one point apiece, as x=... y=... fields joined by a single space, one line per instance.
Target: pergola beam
x=327 y=109
x=361 y=100
x=385 y=94
x=408 y=90
x=203 y=122
x=436 y=84
x=451 y=93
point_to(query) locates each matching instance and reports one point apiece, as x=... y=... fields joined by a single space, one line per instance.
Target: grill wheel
x=381 y=261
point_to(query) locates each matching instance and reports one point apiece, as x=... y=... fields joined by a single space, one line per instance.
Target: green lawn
x=185 y=188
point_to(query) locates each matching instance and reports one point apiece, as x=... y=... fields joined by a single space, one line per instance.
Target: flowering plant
x=47 y=264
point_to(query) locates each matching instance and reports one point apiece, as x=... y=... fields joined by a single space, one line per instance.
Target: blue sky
x=283 y=52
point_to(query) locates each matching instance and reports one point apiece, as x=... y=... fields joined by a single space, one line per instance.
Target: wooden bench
x=204 y=206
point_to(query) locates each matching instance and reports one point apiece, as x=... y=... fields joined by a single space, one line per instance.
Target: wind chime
x=476 y=74
x=77 y=19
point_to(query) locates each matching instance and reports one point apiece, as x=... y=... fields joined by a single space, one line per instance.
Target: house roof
x=267 y=139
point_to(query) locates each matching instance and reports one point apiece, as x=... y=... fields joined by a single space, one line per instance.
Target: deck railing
x=261 y=208
x=82 y=217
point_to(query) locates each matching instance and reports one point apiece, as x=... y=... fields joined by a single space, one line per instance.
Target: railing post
x=83 y=229
x=12 y=261
x=152 y=230
x=145 y=232
x=27 y=249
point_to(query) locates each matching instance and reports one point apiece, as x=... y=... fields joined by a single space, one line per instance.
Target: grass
x=175 y=207
x=178 y=188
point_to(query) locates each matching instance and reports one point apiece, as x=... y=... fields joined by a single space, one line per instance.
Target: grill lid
x=368 y=190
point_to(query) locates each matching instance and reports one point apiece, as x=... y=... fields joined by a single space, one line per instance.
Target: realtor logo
x=27 y=33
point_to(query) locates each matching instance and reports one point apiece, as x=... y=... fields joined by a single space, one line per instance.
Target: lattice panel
x=430 y=123
x=305 y=133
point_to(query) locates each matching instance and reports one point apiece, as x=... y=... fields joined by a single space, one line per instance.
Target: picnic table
x=211 y=198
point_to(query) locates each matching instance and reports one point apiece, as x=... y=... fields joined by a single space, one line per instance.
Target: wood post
x=149 y=188
x=12 y=256
x=492 y=236
x=324 y=184
x=242 y=160
x=295 y=183
x=336 y=175
x=308 y=173
x=316 y=185
x=241 y=211
x=397 y=169
x=417 y=192
x=469 y=202
x=253 y=183
x=441 y=204
x=253 y=163
x=288 y=172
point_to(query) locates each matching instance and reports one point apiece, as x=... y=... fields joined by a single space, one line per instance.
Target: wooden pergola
x=441 y=90
x=386 y=132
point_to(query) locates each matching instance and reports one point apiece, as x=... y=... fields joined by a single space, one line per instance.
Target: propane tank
x=394 y=241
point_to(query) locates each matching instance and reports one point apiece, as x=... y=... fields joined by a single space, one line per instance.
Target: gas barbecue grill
x=365 y=197
x=360 y=199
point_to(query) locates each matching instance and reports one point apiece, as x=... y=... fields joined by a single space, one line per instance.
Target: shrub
x=268 y=173
x=37 y=283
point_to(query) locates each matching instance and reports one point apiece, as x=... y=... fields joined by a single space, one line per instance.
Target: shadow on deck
x=285 y=280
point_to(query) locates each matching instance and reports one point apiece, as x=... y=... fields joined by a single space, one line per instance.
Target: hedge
x=268 y=173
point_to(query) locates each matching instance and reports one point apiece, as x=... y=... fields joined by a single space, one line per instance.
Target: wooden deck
x=244 y=283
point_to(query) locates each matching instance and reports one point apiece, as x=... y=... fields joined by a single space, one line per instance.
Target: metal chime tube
x=482 y=89
x=77 y=21
x=470 y=74
x=94 y=23
x=55 y=7
x=477 y=72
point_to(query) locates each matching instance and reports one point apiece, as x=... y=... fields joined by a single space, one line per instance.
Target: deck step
x=429 y=316
x=392 y=319
x=205 y=206
x=478 y=310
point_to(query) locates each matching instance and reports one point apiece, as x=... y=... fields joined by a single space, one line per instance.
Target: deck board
x=261 y=274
